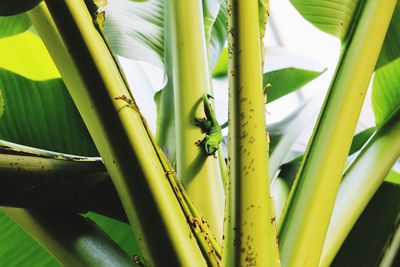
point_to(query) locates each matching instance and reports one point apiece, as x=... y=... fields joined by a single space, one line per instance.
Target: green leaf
x=391 y=49
x=332 y=17
x=281 y=82
x=366 y=242
x=26 y=55
x=42 y=114
x=386 y=92
x=221 y=67
x=17 y=248
x=72 y=239
x=393 y=177
x=360 y=139
x=12 y=25
x=8 y=8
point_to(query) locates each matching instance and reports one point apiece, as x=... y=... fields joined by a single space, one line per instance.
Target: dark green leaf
x=284 y=81
x=366 y=242
x=8 y=8
x=42 y=114
x=11 y=25
x=18 y=249
x=391 y=48
x=360 y=139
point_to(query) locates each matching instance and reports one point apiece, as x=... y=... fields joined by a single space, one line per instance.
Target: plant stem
x=360 y=182
x=199 y=172
x=71 y=239
x=250 y=234
x=311 y=201
x=120 y=134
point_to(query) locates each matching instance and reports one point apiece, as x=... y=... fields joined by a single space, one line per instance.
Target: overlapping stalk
x=121 y=136
x=360 y=182
x=198 y=172
x=311 y=201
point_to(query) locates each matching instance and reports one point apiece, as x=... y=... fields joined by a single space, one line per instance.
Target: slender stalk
x=199 y=172
x=70 y=238
x=250 y=235
x=389 y=257
x=360 y=182
x=310 y=203
x=120 y=134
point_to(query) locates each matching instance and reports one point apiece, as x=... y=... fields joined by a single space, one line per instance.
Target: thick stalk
x=199 y=172
x=360 y=182
x=306 y=219
x=70 y=238
x=250 y=235
x=119 y=132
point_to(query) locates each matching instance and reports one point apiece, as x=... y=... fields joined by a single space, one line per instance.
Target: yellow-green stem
x=198 y=172
x=360 y=182
x=99 y=91
x=250 y=235
x=311 y=201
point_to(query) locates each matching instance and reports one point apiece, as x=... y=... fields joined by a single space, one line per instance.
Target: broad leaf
x=11 y=25
x=17 y=248
x=374 y=229
x=332 y=17
x=281 y=82
x=386 y=92
x=42 y=114
x=26 y=55
x=136 y=29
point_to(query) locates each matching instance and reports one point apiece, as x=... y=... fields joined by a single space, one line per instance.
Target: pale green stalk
x=70 y=238
x=310 y=204
x=198 y=172
x=119 y=132
x=250 y=234
x=360 y=182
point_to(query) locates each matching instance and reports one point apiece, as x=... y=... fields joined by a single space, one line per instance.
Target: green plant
x=112 y=197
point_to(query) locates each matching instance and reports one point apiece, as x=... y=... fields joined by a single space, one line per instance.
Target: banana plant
x=89 y=179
